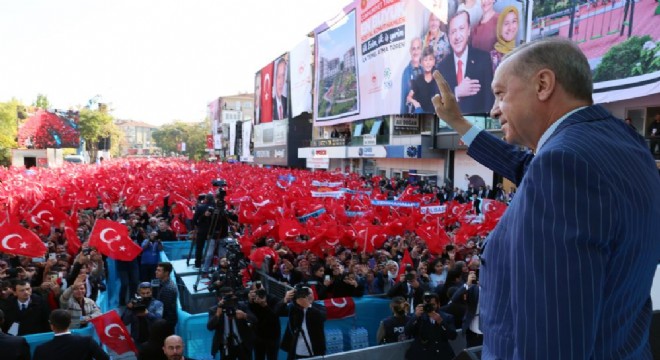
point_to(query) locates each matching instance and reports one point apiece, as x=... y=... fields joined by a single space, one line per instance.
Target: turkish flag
x=17 y=240
x=47 y=214
x=111 y=239
x=267 y=94
x=259 y=255
x=493 y=209
x=435 y=237
x=407 y=260
x=72 y=240
x=290 y=228
x=178 y=226
x=339 y=308
x=113 y=333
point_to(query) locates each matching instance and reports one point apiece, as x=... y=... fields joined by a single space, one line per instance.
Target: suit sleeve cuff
x=469 y=136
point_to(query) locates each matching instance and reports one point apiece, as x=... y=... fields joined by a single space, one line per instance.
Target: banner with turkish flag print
x=266 y=94
x=113 y=333
x=111 y=239
x=17 y=240
x=339 y=308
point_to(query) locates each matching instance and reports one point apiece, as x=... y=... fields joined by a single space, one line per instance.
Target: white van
x=75 y=159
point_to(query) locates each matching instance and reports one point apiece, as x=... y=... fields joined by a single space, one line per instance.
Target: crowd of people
x=34 y=288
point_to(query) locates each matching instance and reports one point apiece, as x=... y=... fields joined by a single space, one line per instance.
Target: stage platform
x=195 y=302
x=181 y=269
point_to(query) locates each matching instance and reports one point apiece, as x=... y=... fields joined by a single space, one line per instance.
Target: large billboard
x=50 y=129
x=301 y=78
x=272 y=91
x=385 y=67
x=621 y=39
x=270 y=134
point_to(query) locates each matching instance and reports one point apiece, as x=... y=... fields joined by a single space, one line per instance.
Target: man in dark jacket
x=66 y=345
x=304 y=335
x=13 y=347
x=25 y=313
x=263 y=307
x=233 y=325
x=432 y=330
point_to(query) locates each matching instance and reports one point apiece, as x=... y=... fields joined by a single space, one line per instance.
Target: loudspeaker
x=473 y=353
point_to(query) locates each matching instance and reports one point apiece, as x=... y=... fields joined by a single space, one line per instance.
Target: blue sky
x=153 y=61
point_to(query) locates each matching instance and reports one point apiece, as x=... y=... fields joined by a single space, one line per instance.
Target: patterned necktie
x=459 y=72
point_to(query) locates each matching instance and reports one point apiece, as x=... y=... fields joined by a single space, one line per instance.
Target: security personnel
x=392 y=329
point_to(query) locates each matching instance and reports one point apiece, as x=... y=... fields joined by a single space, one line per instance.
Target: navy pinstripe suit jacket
x=567 y=272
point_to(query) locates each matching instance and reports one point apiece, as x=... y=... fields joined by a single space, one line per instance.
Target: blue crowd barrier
x=192 y=327
x=369 y=311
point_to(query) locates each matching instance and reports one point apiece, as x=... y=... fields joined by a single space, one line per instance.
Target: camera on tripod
x=221 y=184
x=229 y=304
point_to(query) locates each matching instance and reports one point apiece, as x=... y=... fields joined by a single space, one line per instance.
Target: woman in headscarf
x=507 y=31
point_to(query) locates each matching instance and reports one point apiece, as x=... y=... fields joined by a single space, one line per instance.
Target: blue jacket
x=567 y=272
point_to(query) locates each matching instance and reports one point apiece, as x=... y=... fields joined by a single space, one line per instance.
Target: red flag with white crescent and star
x=339 y=308
x=111 y=239
x=17 y=240
x=113 y=333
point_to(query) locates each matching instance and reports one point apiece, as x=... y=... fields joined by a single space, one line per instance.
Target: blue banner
x=354 y=213
x=311 y=215
x=394 y=203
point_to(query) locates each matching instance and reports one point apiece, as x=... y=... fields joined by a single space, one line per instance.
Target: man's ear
x=545 y=82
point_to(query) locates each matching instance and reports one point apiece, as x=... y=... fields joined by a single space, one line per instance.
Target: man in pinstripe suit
x=567 y=272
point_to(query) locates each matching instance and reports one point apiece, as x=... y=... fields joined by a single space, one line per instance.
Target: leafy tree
x=10 y=112
x=95 y=125
x=42 y=102
x=193 y=134
x=621 y=59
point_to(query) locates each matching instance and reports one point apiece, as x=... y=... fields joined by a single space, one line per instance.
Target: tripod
x=218 y=212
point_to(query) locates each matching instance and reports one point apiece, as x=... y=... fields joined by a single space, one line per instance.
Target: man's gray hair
x=563 y=58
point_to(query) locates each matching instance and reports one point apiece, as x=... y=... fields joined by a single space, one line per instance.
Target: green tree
x=95 y=125
x=10 y=112
x=620 y=60
x=42 y=102
x=168 y=136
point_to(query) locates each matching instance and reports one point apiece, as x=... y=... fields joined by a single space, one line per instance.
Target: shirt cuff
x=469 y=136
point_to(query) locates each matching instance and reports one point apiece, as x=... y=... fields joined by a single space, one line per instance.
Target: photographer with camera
x=202 y=224
x=232 y=323
x=263 y=306
x=432 y=329
x=304 y=335
x=468 y=294
x=151 y=249
x=212 y=221
x=141 y=312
